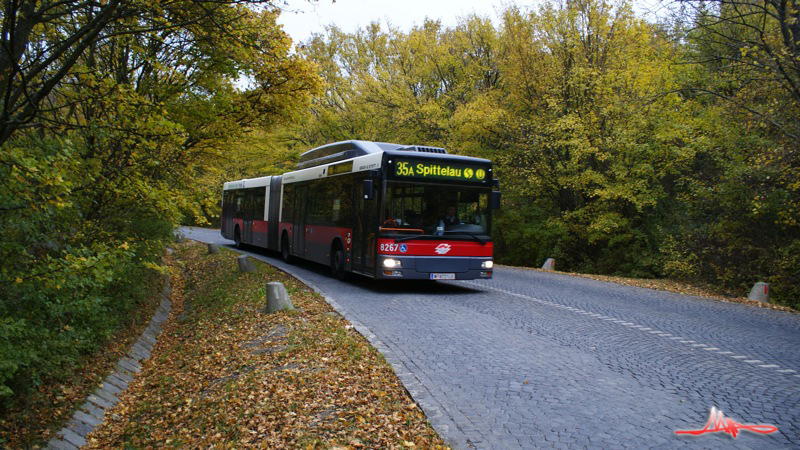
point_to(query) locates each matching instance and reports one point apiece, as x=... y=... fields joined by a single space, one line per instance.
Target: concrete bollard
x=760 y=292
x=213 y=249
x=246 y=264
x=550 y=264
x=277 y=298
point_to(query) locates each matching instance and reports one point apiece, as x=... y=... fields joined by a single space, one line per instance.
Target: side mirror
x=494 y=200
x=368 y=187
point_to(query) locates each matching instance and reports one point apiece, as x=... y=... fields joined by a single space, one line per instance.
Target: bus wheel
x=337 y=262
x=285 y=255
x=237 y=238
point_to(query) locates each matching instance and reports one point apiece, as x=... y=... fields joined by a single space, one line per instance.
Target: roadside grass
x=226 y=374
x=35 y=418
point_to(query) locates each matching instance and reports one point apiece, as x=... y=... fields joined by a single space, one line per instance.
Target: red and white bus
x=383 y=210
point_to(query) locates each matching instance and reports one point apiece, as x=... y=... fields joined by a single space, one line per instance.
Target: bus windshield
x=414 y=209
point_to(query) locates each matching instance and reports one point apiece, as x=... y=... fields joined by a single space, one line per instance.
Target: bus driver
x=450 y=218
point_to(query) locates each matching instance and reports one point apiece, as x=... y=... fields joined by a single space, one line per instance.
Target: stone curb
x=91 y=413
x=430 y=405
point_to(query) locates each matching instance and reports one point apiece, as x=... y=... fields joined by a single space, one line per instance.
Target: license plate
x=443 y=276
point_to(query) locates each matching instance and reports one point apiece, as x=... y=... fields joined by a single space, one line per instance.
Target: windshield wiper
x=417 y=236
x=478 y=238
x=474 y=236
x=408 y=238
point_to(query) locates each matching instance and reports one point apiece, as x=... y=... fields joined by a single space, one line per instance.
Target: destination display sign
x=345 y=167
x=439 y=170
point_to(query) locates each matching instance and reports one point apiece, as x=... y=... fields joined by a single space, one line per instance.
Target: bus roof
x=247 y=183
x=339 y=151
x=314 y=163
x=365 y=155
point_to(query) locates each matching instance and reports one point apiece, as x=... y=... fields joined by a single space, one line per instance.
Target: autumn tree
x=741 y=61
x=554 y=96
x=112 y=113
x=383 y=84
x=623 y=147
x=578 y=136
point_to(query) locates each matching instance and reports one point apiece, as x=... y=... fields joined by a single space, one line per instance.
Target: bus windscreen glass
x=415 y=209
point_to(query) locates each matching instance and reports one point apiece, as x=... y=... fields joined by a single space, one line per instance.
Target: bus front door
x=247 y=232
x=365 y=225
x=299 y=222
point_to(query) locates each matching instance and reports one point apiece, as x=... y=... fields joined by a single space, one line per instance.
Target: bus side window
x=227 y=198
x=287 y=208
x=239 y=200
x=260 y=197
x=315 y=214
x=342 y=202
x=248 y=204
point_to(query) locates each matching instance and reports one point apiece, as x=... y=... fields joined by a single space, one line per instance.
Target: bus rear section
x=250 y=210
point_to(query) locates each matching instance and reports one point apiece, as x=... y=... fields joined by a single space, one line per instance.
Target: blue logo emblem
x=403 y=248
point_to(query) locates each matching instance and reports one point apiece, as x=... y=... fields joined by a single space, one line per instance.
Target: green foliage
x=73 y=259
x=529 y=236
x=255 y=154
x=729 y=228
x=62 y=304
x=623 y=147
x=739 y=210
x=127 y=122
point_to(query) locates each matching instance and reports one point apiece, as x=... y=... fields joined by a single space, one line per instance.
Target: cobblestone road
x=538 y=360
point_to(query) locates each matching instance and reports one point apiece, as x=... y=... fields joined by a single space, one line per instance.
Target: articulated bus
x=383 y=210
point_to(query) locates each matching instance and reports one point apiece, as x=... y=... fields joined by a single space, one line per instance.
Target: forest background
x=623 y=146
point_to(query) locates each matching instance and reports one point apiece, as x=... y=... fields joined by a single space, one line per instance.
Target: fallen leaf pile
x=226 y=374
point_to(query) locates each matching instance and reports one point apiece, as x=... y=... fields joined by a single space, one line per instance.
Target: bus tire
x=237 y=238
x=338 y=262
x=286 y=256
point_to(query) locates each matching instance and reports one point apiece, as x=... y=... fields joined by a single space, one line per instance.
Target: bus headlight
x=391 y=263
x=487 y=264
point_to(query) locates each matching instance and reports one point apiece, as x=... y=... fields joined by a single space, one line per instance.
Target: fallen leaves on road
x=226 y=374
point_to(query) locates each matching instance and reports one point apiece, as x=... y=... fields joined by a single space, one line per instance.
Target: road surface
x=533 y=359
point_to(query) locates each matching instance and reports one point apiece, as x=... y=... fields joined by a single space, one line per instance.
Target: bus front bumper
x=434 y=267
